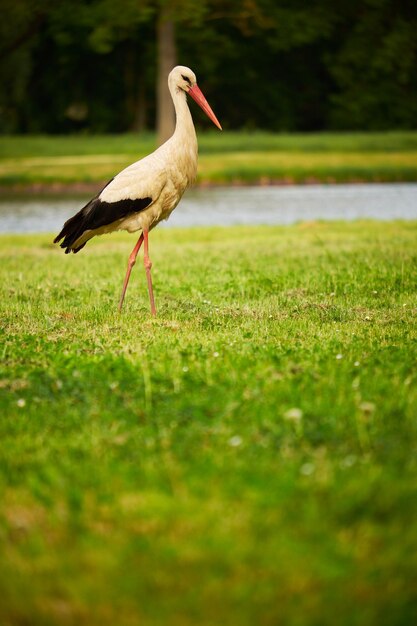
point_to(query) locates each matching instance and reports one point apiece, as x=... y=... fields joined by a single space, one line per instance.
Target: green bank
x=224 y=158
x=247 y=457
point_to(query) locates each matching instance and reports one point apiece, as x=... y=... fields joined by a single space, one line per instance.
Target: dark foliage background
x=265 y=64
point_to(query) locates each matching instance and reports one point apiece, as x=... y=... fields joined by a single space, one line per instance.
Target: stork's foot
x=148 y=265
x=130 y=264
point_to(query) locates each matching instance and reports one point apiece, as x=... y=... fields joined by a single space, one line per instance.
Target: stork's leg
x=148 y=265
x=130 y=264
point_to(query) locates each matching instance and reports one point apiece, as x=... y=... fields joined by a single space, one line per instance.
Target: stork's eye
x=187 y=80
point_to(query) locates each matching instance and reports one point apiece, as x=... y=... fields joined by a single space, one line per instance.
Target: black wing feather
x=96 y=214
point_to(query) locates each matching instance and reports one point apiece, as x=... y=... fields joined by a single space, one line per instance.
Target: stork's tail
x=95 y=216
x=74 y=228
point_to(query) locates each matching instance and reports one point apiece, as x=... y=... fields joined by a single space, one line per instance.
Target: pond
x=235 y=205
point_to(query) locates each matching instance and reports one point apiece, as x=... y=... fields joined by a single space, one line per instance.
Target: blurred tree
x=77 y=65
x=19 y=29
x=375 y=66
x=263 y=62
x=167 y=59
x=172 y=15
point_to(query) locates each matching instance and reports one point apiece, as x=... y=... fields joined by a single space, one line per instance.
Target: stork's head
x=182 y=78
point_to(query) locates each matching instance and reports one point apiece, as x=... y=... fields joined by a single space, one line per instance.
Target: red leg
x=148 y=265
x=131 y=262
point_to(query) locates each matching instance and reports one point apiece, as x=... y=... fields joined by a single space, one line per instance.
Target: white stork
x=147 y=191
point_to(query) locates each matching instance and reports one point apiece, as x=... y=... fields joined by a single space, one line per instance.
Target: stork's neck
x=184 y=128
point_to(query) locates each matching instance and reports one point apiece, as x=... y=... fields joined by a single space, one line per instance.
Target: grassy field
x=224 y=157
x=247 y=457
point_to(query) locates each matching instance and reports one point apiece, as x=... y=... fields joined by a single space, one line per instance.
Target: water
x=235 y=205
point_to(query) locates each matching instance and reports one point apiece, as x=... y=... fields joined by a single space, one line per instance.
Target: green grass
x=224 y=157
x=247 y=457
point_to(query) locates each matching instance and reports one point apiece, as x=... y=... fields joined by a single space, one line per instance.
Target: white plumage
x=147 y=191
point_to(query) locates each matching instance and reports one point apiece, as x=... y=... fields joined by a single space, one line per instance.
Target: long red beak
x=197 y=95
